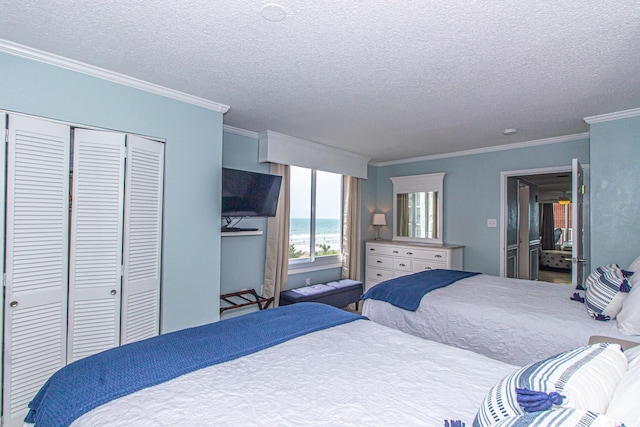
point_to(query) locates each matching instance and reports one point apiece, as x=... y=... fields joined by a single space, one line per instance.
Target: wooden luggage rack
x=243 y=299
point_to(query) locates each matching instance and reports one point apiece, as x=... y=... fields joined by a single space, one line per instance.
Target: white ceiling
x=386 y=79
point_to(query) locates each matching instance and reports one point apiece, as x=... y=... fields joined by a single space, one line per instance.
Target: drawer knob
x=402 y=265
x=379 y=262
x=409 y=253
x=372 y=249
x=396 y=252
x=13 y=304
x=438 y=256
x=427 y=268
x=379 y=275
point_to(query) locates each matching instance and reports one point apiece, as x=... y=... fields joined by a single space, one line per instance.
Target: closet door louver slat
x=142 y=239
x=96 y=242
x=37 y=218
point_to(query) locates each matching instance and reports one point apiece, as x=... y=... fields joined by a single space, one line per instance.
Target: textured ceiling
x=387 y=79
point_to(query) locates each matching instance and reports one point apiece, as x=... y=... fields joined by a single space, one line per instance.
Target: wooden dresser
x=388 y=259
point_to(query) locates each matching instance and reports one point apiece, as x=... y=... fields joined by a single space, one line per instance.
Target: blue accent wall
x=242 y=257
x=193 y=158
x=615 y=192
x=472 y=194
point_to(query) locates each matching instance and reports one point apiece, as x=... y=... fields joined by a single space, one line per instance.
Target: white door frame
x=540 y=171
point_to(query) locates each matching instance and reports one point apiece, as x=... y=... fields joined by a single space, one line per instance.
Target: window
x=562 y=218
x=315 y=227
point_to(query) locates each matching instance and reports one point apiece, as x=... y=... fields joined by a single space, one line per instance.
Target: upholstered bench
x=338 y=294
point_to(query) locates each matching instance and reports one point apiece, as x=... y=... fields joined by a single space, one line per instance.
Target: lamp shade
x=379 y=219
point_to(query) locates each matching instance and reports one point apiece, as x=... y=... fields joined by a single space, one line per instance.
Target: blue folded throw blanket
x=90 y=382
x=406 y=292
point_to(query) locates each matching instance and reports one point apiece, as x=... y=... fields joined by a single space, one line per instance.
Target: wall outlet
x=492 y=222
x=307 y=281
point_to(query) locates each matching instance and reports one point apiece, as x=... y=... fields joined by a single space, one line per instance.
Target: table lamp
x=378 y=220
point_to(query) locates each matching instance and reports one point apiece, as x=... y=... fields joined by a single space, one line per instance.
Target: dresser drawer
x=419 y=265
x=428 y=254
x=402 y=264
x=379 y=261
x=383 y=250
x=375 y=274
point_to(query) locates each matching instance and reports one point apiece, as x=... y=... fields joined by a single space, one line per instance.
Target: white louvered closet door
x=37 y=236
x=142 y=239
x=95 y=264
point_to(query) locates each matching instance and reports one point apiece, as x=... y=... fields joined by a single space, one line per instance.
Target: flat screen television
x=248 y=194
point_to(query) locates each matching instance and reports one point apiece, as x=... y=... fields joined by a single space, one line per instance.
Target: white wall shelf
x=240 y=233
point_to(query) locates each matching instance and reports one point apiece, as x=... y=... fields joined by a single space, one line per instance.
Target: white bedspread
x=516 y=321
x=355 y=374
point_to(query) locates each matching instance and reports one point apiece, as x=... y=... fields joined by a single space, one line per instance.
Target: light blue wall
x=242 y=258
x=615 y=192
x=472 y=194
x=193 y=157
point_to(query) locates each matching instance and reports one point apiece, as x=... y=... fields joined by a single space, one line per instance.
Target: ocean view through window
x=315 y=228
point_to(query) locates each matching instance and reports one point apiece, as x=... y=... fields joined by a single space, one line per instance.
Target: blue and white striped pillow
x=560 y=418
x=585 y=378
x=607 y=288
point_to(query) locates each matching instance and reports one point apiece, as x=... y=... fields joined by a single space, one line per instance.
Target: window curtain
x=276 y=265
x=547 y=225
x=351 y=227
x=403 y=214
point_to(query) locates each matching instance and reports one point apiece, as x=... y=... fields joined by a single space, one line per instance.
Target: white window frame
x=313 y=263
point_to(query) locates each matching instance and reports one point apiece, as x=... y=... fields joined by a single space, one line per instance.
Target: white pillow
x=624 y=402
x=585 y=378
x=607 y=288
x=635 y=265
x=561 y=418
x=629 y=316
x=633 y=355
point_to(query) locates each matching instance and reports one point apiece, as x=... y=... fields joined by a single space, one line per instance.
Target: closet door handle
x=13 y=304
x=113 y=292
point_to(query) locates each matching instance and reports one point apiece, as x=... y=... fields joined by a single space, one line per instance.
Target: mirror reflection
x=417 y=214
x=417 y=208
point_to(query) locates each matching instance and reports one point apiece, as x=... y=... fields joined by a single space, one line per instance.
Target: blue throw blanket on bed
x=406 y=292
x=98 y=379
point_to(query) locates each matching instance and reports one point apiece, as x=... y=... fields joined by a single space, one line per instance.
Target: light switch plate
x=492 y=222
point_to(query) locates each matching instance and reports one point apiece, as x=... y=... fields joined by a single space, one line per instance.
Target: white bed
x=516 y=321
x=358 y=373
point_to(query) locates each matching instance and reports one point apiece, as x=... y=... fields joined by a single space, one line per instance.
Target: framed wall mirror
x=417 y=208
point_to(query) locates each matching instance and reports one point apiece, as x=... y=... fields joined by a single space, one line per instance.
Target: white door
x=142 y=239
x=577 y=254
x=511 y=232
x=36 y=265
x=523 y=230
x=3 y=148
x=95 y=265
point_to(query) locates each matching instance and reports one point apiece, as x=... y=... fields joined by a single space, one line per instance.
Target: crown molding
x=504 y=147
x=241 y=132
x=634 y=112
x=16 y=49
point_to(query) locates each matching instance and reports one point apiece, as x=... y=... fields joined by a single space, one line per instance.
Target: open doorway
x=539 y=225
x=555 y=226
